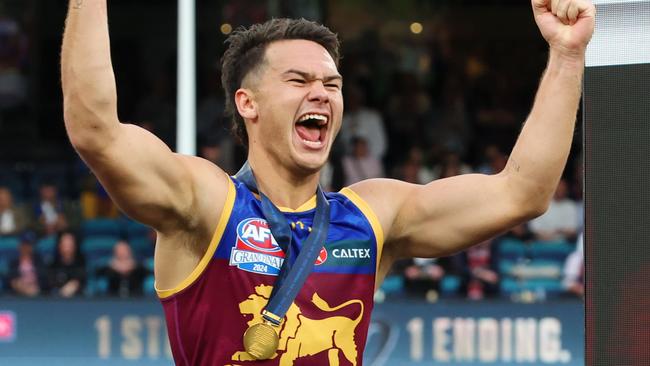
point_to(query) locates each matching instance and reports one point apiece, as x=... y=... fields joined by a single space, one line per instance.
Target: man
x=215 y=261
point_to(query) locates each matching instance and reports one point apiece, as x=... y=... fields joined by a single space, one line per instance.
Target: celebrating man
x=264 y=268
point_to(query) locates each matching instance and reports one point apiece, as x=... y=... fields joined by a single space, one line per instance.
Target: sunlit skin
x=296 y=78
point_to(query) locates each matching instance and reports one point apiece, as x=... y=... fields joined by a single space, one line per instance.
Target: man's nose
x=318 y=92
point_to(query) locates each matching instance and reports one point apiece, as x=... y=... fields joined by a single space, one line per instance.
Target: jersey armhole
x=370 y=216
x=216 y=238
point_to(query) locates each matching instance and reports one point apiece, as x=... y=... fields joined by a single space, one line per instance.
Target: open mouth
x=311 y=129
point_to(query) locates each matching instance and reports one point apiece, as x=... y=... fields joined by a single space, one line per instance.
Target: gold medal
x=261 y=341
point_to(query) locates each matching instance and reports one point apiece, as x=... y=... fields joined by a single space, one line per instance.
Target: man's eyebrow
x=310 y=76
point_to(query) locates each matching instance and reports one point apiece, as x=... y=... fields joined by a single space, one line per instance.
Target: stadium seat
x=134 y=229
x=551 y=250
x=449 y=285
x=148 y=286
x=45 y=247
x=142 y=247
x=101 y=227
x=541 y=287
x=97 y=246
x=393 y=284
x=148 y=264
x=512 y=249
x=9 y=246
x=96 y=286
x=506 y=266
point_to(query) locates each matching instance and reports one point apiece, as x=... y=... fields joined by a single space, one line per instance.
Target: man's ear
x=246 y=106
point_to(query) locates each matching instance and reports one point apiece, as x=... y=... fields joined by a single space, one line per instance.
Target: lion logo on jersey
x=301 y=336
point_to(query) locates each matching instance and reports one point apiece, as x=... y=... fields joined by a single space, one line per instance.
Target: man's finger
x=541 y=6
x=554 y=6
x=562 y=8
x=573 y=11
x=585 y=8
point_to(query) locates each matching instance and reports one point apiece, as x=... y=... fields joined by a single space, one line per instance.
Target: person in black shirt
x=124 y=273
x=67 y=274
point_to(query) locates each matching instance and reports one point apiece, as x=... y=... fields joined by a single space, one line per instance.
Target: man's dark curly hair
x=246 y=49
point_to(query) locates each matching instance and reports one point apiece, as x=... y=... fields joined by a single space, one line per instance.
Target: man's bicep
x=452 y=214
x=143 y=176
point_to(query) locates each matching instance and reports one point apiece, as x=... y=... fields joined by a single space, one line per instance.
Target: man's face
x=298 y=105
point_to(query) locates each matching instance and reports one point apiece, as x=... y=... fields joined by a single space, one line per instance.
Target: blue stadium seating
x=142 y=247
x=148 y=286
x=98 y=246
x=45 y=247
x=449 y=285
x=9 y=246
x=134 y=229
x=512 y=249
x=101 y=227
x=551 y=250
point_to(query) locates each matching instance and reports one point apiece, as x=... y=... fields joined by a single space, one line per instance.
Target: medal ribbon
x=292 y=273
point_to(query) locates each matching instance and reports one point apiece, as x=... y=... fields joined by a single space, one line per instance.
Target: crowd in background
x=417 y=113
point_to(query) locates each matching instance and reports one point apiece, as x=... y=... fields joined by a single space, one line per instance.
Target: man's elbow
x=88 y=128
x=533 y=207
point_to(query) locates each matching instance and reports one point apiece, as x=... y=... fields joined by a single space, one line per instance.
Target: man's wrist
x=566 y=58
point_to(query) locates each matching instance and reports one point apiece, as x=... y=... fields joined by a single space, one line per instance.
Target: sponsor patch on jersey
x=349 y=253
x=322 y=257
x=256 y=249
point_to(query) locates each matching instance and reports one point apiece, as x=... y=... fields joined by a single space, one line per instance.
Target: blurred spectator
x=363 y=122
x=67 y=275
x=13 y=50
x=450 y=166
x=493 y=160
x=12 y=219
x=480 y=278
x=95 y=201
x=520 y=232
x=413 y=169
x=573 y=281
x=422 y=277
x=560 y=222
x=124 y=274
x=211 y=125
x=27 y=272
x=219 y=152
x=49 y=210
x=361 y=164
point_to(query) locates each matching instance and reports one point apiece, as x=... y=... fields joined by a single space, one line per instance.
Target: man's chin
x=311 y=164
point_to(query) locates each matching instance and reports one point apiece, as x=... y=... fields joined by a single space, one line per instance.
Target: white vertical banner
x=186 y=74
x=622 y=35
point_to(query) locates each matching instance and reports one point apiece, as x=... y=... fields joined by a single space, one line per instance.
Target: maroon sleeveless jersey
x=327 y=324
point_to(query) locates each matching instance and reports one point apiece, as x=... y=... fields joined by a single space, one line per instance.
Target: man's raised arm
x=452 y=214
x=147 y=180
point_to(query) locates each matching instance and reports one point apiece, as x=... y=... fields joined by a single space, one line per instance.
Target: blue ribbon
x=292 y=274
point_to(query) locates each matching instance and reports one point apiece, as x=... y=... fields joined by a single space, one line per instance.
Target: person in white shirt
x=360 y=120
x=560 y=222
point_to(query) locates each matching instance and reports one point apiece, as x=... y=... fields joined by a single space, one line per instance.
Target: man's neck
x=283 y=187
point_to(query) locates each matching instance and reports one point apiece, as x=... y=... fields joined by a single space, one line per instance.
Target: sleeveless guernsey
x=327 y=324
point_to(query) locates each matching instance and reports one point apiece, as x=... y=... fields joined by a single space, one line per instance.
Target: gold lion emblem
x=301 y=336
